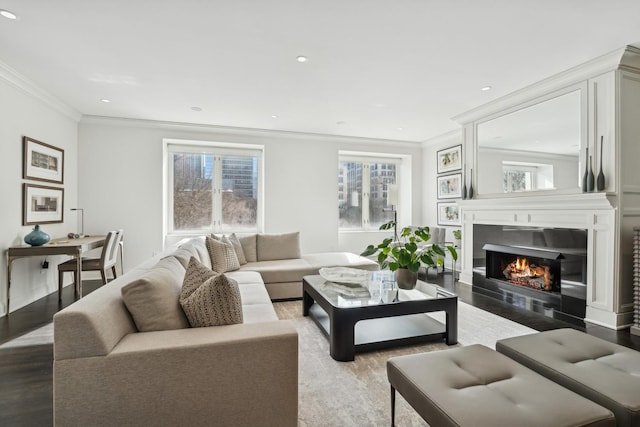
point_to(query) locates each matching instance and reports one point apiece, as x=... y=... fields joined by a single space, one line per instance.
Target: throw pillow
x=237 y=246
x=152 y=299
x=278 y=246
x=223 y=256
x=209 y=299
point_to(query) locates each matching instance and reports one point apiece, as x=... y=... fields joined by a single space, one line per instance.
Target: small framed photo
x=42 y=205
x=450 y=159
x=450 y=186
x=448 y=213
x=42 y=162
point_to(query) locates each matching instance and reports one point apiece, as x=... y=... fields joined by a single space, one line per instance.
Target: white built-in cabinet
x=610 y=88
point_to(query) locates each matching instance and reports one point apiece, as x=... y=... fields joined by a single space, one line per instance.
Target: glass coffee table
x=359 y=318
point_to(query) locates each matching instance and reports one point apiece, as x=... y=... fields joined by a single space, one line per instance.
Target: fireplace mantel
x=594 y=212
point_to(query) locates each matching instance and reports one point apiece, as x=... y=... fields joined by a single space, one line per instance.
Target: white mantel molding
x=542 y=202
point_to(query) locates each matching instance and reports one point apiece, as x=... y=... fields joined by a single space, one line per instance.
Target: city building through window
x=367 y=192
x=212 y=187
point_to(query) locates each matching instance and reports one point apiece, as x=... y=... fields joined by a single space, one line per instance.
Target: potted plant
x=408 y=253
x=457 y=237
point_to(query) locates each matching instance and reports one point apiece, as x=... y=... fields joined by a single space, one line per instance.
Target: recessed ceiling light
x=105 y=100
x=274 y=116
x=400 y=129
x=301 y=58
x=341 y=122
x=196 y=108
x=486 y=88
x=7 y=14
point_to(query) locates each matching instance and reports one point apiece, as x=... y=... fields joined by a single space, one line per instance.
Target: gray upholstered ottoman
x=606 y=373
x=476 y=386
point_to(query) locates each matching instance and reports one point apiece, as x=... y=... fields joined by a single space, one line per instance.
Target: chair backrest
x=110 y=248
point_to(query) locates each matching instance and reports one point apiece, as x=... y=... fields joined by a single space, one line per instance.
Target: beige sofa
x=106 y=372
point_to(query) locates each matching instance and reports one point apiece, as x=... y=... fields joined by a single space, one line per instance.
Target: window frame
x=217 y=150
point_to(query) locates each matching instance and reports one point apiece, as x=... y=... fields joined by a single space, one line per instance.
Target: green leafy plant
x=457 y=234
x=409 y=251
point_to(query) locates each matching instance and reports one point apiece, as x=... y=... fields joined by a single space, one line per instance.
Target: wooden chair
x=107 y=260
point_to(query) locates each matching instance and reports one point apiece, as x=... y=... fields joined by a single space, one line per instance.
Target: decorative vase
x=585 y=177
x=406 y=279
x=37 y=237
x=464 y=191
x=600 y=179
x=591 y=179
x=470 y=194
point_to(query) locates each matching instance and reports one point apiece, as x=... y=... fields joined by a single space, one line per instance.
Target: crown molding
x=627 y=58
x=245 y=132
x=17 y=80
x=454 y=136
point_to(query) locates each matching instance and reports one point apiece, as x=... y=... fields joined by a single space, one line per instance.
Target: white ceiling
x=374 y=65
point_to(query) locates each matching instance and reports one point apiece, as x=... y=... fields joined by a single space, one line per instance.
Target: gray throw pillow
x=152 y=299
x=208 y=298
x=249 y=247
x=237 y=246
x=223 y=256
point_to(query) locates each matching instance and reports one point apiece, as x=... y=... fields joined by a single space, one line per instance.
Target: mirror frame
x=584 y=139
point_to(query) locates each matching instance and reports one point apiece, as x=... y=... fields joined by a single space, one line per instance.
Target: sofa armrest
x=230 y=375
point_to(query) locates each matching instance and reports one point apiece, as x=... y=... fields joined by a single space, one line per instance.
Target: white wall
x=120 y=165
x=27 y=111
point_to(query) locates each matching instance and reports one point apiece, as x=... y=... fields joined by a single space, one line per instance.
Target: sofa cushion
x=209 y=299
x=278 y=246
x=223 y=257
x=195 y=247
x=152 y=299
x=284 y=270
x=249 y=247
x=237 y=246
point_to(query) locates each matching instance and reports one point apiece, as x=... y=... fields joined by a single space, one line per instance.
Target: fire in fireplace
x=521 y=272
x=534 y=268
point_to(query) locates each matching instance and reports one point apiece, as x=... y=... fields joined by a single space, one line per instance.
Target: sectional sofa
x=138 y=362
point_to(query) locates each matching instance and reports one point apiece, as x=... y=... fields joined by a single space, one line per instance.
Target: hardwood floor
x=26 y=374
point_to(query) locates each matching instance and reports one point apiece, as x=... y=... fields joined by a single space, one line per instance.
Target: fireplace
x=533 y=268
x=538 y=269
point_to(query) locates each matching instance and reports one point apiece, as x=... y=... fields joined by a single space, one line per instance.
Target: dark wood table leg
x=452 y=322
x=393 y=406
x=342 y=336
x=307 y=302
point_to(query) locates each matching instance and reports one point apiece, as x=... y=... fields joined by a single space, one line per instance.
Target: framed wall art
x=42 y=205
x=448 y=213
x=42 y=162
x=449 y=159
x=450 y=186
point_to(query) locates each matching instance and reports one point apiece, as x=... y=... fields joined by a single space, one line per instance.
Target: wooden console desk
x=71 y=247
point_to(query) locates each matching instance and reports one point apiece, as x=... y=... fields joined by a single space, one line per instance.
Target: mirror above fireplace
x=534 y=147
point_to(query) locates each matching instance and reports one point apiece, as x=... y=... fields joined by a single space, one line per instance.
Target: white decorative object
x=344 y=275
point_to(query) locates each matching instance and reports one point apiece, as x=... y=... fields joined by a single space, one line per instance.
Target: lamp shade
x=392 y=195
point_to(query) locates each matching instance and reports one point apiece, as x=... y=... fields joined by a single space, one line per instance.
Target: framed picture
x=450 y=159
x=42 y=205
x=450 y=186
x=42 y=162
x=448 y=213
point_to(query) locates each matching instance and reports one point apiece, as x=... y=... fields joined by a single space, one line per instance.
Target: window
x=212 y=188
x=520 y=176
x=366 y=191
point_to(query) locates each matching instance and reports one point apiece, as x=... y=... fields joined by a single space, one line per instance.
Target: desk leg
x=79 y=273
x=8 y=299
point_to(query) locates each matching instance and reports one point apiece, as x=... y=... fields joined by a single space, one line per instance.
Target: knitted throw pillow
x=210 y=299
x=223 y=256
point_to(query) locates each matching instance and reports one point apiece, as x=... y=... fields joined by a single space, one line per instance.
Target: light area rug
x=352 y=393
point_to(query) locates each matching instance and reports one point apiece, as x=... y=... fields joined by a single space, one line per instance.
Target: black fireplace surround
x=554 y=283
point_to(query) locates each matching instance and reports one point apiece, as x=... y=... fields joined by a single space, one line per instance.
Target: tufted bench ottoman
x=476 y=386
x=606 y=373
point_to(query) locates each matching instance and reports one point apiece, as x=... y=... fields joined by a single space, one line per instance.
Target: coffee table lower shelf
x=386 y=332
